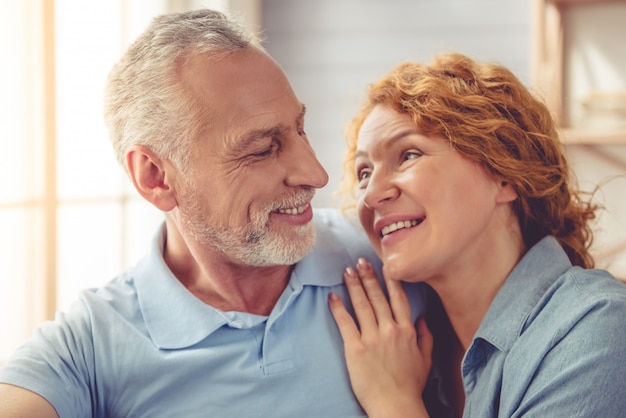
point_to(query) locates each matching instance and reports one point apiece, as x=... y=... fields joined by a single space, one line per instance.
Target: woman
x=461 y=183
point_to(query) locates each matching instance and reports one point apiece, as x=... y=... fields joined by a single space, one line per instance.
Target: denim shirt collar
x=540 y=267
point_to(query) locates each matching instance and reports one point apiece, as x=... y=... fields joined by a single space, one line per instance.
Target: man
x=218 y=320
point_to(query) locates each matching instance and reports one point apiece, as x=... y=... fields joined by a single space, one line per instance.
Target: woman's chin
x=391 y=271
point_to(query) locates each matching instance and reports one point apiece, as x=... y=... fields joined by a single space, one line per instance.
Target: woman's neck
x=467 y=290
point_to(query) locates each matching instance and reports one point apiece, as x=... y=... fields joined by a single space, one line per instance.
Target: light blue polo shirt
x=144 y=346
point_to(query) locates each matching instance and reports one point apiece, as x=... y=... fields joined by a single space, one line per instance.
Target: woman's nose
x=380 y=189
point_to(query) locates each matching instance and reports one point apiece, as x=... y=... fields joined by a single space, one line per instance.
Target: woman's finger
x=425 y=342
x=375 y=294
x=400 y=306
x=345 y=323
x=362 y=306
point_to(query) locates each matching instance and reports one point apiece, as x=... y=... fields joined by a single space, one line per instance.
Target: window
x=69 y=217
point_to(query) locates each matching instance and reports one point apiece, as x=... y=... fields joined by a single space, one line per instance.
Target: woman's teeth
x=397 y=225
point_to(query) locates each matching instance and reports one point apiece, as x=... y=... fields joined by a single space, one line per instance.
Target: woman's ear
x=148 y=173
x=506 y=192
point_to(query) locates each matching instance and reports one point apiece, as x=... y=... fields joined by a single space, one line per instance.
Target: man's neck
x=221 y=283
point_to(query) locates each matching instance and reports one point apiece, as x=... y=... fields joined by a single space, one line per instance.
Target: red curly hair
x=489 y=117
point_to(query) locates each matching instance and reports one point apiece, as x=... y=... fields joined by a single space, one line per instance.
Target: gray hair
x=144 y=101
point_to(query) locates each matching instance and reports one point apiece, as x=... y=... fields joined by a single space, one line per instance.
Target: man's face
x=253 y=171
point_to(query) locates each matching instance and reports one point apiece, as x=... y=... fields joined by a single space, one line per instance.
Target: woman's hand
x=388 y=357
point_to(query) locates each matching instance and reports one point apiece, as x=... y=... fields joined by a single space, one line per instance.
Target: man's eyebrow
x=253 y=136
x=300 y=118
x=244 y=141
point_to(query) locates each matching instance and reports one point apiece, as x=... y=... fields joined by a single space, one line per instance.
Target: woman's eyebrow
x=394 y=138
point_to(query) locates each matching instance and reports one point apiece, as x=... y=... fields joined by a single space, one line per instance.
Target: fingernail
x=362 y=264
x=332 y=297
x=349 y=273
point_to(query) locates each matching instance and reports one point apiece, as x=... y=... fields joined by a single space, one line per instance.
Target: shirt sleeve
x=57 y=363
x=583 y=373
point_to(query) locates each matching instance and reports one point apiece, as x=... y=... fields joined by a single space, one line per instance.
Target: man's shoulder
x=335 y=227
x=337 y=222
x=329 y=215
x=340 y=241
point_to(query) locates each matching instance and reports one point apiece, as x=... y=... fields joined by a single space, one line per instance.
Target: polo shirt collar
x=176 y=319
x=540 y=267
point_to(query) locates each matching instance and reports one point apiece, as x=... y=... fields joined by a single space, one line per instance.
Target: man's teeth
x=398 y=225
x=294 y=211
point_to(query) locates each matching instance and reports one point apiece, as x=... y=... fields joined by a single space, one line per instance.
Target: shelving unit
x=600 y=116
x=579 y=68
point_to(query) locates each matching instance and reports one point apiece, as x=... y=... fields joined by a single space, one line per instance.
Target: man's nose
x=303 y=167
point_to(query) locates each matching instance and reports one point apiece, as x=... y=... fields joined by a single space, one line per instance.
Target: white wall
x=331 y=50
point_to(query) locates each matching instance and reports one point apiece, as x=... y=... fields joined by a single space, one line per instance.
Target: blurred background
x=69 y=218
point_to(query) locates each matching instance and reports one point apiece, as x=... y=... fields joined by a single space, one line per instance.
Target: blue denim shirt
x=552 y=344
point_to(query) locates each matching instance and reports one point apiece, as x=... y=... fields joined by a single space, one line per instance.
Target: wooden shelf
x=591 y=136
x=579 y=2
x=550 y=74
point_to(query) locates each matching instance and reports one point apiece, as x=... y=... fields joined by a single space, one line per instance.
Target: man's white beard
x=253 y=244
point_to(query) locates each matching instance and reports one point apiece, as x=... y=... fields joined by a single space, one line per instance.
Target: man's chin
x=289 y=248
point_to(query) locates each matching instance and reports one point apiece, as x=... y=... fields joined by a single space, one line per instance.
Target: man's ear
x=148 y=173
x=506 y=192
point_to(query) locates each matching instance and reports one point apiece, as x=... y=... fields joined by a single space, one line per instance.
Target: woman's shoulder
x=590 y=301
x=571 y=350
x=593 y=286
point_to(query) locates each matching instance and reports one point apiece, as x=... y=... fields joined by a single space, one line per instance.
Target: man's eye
x=274 y=146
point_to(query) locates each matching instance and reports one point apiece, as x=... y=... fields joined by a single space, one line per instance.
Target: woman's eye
x=363 y=174
x=411 y=155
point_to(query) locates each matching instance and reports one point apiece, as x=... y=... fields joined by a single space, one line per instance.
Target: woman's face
x=428 y=211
